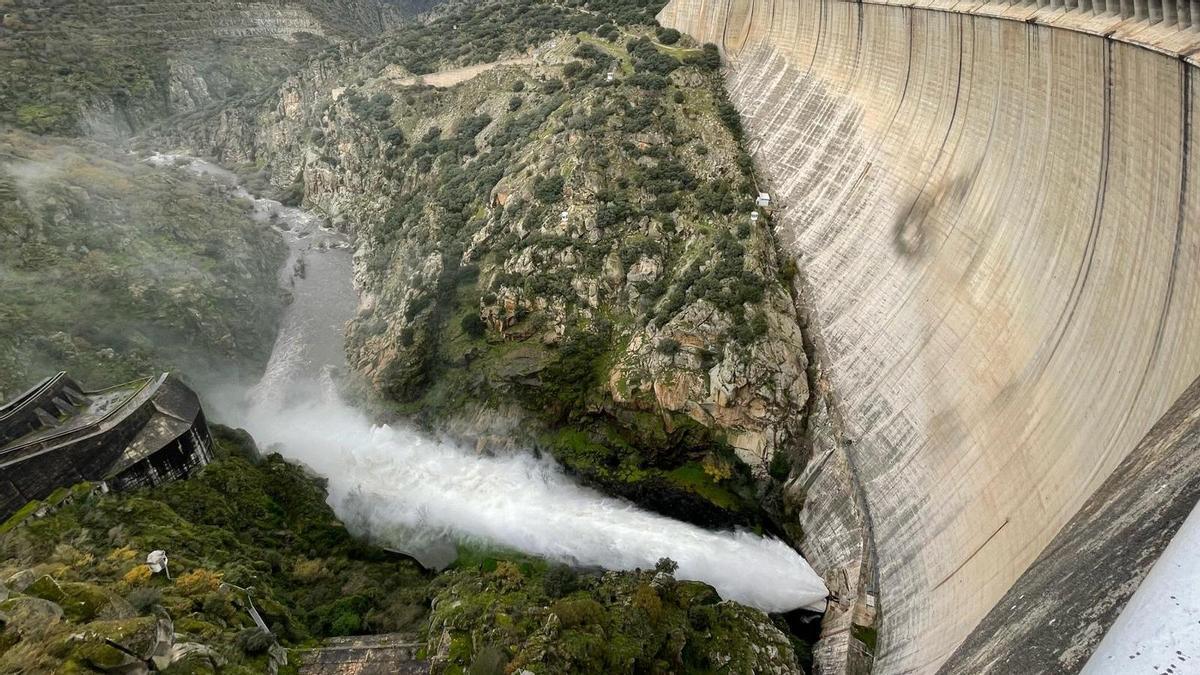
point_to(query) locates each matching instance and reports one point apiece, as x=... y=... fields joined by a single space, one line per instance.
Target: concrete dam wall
x=1000 y=223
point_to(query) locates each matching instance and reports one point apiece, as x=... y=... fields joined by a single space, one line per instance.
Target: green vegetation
x=259 y=525
x=94 y=68
x=112 y=269
x=505 y=615
x=611 y=318
x=77 y=579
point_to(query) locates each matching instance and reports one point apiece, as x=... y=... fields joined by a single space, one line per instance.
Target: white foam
x=410 y=490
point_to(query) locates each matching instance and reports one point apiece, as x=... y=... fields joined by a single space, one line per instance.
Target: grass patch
x=693 y=477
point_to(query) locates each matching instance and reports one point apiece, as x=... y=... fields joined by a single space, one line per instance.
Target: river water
x=421 y=496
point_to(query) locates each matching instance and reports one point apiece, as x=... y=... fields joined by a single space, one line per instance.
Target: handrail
x=35 y=446
x=8 y=408
x=1168 y=27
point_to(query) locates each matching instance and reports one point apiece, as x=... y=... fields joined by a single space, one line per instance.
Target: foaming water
x=407 y=492
x=420 y=496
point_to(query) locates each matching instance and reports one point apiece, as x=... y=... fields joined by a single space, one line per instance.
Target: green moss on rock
x=613 y=622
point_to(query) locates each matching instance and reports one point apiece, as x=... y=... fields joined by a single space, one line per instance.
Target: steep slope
x=647 y=338
x=113 y=269
x=999 y=221
x=251 y=535
x=106 y=68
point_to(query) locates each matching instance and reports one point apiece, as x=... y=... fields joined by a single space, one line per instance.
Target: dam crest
x=996 y=208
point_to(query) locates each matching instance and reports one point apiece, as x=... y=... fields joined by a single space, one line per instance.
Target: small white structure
x=753 y=217
x=611 y=75
x=565 y=215
x=764 y=200
x=157 y=562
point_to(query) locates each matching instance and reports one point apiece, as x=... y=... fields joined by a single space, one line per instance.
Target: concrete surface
x=1053 y=617
x=1169 y=597
x=998 y=219
x=387 y=654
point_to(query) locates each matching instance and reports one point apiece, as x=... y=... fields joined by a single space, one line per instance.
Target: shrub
x=646 y=599
x=730 y=118
x=666 y=566
x=548 y=190
x=668 y=36
x=668 y=346
x=574 y=612
x=198 y=582
x=308 y=571
x=137 y=576
x=559 y=580
x=143 y=599
x=710 y=57
x=394 y=136
x=254 y=641
x=473 y=325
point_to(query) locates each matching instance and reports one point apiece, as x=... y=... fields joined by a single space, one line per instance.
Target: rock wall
x=999 y=222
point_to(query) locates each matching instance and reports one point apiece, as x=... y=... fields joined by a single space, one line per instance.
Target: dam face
x=998 y=219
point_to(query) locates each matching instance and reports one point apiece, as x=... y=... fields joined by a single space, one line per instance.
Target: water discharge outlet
x=423 y=497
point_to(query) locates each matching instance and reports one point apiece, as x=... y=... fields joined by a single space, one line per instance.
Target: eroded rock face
x=580 y=248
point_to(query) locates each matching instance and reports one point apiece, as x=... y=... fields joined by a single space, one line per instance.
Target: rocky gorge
x=566 y=248
x=560 y=251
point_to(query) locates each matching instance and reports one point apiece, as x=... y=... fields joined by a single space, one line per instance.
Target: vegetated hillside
x=78 y=576
x=106 y=68
x=501 y=616
x=113 y=269
x=76 y=579
x=647 y=338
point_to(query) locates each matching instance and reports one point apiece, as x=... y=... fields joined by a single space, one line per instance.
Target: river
x=422 y=496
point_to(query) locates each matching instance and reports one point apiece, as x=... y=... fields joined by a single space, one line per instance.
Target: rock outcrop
x=107 y=69
x=541 y=235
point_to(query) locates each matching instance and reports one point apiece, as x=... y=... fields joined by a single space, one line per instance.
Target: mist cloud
x=416 y=494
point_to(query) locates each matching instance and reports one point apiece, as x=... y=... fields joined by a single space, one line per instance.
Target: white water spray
x=420 y=496
x=407 y=490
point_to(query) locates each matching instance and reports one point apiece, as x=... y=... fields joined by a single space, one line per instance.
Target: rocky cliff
x=105 y=68
x=566 y=239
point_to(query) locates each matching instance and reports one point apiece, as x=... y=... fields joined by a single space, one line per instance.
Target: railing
x=17 y=404
x=1185 y=13
x=145 y=391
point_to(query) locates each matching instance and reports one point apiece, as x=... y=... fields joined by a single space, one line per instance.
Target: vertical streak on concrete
x=1003 y=253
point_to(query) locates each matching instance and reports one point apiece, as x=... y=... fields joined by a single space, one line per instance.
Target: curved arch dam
x=996 y=209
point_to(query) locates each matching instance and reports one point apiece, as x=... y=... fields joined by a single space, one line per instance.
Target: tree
x=668 y=36
x=548 y=190
x=709 y=57
x=473 y=325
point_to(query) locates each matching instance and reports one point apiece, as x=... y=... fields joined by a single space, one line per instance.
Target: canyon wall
x=998 y=219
